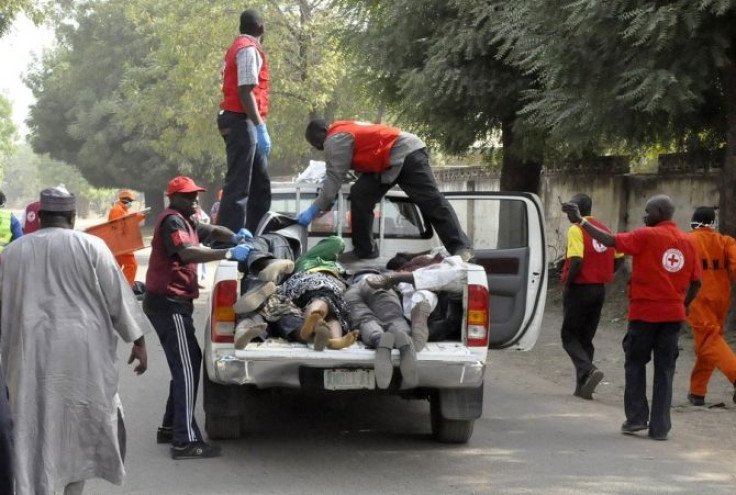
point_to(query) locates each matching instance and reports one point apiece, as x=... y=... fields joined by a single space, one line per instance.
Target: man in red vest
x=665 y=278
x=171 y=287
x=588 y=266
x=384 y=157
x=241 y=122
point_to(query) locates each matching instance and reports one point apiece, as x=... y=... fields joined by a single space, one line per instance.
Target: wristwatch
x=229 y=254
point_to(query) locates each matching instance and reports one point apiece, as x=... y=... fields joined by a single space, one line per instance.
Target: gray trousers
x=6 y=440
x=375 y=311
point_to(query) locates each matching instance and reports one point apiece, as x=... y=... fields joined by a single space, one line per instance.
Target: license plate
x=349 y=379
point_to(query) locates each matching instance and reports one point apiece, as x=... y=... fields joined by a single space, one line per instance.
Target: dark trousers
x=177 y=335
x=246 y=193
x=417 y=181
x=6 y=440
x=641 y=341
x=582 y=306
x=382 y=307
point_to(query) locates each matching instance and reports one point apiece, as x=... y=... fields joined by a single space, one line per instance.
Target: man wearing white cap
x=64 y=304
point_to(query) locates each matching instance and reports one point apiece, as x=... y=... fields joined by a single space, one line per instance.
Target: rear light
x=477 y=316
x=222 y=319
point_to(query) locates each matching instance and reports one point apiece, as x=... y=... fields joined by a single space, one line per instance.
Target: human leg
x=364 y=195
x=239 y=135
x=417 y=181
x=637 y=344
x=129 y=265
x=665 y=356
x=582 y=307
x=259 y=194
x=248 y=328
x=704 y=366
x=184 y=356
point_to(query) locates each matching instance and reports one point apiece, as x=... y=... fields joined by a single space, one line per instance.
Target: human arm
x=573 y=214
x=692 y=292
x=249 y=64
x=138 y=352
x=179 y=242
x=338 y=158
x=617 y=263
x=574 y=252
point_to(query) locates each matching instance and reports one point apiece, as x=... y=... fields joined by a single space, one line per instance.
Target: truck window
x=493 y=223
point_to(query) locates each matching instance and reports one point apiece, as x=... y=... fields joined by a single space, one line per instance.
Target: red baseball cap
x=182 y=184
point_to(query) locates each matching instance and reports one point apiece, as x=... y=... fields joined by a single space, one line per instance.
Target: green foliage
x=28 y=173
x=8 y=132
x=640 y=72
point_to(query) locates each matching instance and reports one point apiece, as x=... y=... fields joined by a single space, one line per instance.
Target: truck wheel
x=449 y=430
x=220 y=427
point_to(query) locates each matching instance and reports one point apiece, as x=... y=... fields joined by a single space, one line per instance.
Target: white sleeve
x=249 y=64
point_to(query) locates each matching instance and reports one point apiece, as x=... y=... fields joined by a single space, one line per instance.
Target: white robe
x=63 y=303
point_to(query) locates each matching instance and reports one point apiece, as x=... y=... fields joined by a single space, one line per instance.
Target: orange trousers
x=129 y=265
x=712 y=352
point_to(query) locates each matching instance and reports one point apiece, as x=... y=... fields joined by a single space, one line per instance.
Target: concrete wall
x=618 y=199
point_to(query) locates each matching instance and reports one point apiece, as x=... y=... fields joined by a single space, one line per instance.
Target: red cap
x=182 y=184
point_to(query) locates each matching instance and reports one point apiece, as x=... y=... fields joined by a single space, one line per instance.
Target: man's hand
x=240 y=252
x=139 y=352
x=306 y=217
x=573 y=212
x=264 y=140
x=241 y=235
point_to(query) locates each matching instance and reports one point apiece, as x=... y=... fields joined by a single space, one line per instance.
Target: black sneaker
x=164 y=434
x=194 y=450
x=657 y=437
x=629 y=427
x=587 y=387
x=696 y=400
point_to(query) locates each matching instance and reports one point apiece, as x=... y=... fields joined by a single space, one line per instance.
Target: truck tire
x=449 y=430
x=220 y=427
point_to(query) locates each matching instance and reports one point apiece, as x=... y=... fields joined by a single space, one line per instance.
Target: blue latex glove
x=242 y=234
x=240 y=252
x=306 y=217
x=264 y=140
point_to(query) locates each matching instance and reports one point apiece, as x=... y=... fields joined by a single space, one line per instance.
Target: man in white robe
x=63 y=304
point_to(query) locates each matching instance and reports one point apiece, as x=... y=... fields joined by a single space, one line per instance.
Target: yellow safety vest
x=6 y=234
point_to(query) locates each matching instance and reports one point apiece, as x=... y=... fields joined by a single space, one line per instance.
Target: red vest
x=231 y=100
x=373 y=143
x=597 y=260
x=32 y=222
x=167 y=275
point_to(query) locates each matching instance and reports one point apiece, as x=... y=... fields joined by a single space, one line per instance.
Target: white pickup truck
x=503 y=304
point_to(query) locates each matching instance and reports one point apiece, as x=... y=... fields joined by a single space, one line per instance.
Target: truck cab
x=502 y=306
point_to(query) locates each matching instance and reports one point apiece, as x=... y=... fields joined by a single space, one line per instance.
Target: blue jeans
x=641 y=341
x=246 y=193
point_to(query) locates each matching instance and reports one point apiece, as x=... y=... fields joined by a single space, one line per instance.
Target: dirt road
x=713 y=425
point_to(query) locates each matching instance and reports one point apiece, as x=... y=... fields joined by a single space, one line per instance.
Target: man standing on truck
x=384 y=156
x=707 y=316
x=64 y=304
x=247 y=188
x=665 y=278
x=589 y=265
x=127 y=261
x=171 y=287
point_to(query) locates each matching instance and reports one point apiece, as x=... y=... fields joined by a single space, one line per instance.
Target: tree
x=637 y=72
x=437 y=62
x=8 y=132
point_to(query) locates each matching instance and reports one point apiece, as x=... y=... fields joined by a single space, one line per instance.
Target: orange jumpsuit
x=127 y=261
x=707 y=315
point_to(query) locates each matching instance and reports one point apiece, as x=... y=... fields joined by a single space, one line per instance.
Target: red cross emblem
x=673 y=260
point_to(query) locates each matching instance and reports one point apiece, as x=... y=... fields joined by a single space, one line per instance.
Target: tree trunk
x=517 y=174
x=154 y=201
x=728 y=177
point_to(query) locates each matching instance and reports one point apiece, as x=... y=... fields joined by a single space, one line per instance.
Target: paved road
x=534 y=438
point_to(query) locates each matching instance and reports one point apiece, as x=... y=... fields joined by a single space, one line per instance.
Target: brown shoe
x=274 y=269
x=254 y=299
